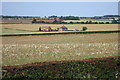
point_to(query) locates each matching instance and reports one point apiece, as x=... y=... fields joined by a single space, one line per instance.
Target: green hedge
x=72 y=32
x=105 y=68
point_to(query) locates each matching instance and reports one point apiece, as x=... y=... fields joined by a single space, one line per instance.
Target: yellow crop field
x=35 y=27
x=88 y=20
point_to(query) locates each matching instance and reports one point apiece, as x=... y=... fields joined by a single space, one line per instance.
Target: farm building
x=63 y=28
x=46 y=28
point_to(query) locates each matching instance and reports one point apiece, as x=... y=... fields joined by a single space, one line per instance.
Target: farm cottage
x=63 y=28
x=46 y=28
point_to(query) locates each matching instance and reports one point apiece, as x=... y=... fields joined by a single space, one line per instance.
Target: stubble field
x=23 y=28
x=44 y=48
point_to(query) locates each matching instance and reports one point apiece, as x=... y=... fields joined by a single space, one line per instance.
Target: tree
x=90 y=22
x=69 y=18
x=114 y=21
x=101 y=22
x=71 y=22
x=107 y=23
x=34 y=21
x=86 y=22
x=96 y=22
x=82 y=22
x=40 y=29
x=77 y=22
x=55 y=22
x=84 y=28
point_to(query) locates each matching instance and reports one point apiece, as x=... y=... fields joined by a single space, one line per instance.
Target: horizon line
x=61 y=15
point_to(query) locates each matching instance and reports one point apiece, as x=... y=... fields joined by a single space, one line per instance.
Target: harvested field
x=45 y=48
x=10 y=30
x=35 y=27
x=16 y=21
x=104 y=21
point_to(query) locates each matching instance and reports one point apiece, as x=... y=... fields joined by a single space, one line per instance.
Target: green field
x=11 y=30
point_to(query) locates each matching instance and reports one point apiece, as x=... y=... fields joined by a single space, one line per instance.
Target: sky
x=82 y=9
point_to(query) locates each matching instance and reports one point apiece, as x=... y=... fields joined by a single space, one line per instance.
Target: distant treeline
x=111 y=16
x=19 y=17
x=85 y=22
x=60 y=20
x=60 y=17
x=69 y=18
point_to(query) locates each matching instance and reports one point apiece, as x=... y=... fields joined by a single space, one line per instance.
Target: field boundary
x=57 y=33
x=19 y=29
x=61 y=61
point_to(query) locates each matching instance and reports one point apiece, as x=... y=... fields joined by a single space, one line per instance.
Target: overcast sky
x=42 y=9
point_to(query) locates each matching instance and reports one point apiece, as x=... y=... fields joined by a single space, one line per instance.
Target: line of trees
x=69 y=18
x=18 y=16
x=62 y=17
x=86 y=22
x=111 y=16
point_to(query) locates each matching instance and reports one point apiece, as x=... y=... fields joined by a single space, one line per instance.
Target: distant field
x=21 y=28
x=28 y=49
x=14 y=21
x=11 y=30
x=104 y=21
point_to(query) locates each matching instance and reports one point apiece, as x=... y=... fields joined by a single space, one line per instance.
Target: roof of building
x=46 y=27
x=63 y=27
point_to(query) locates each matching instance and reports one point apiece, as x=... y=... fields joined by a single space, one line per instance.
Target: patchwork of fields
x=44 y=48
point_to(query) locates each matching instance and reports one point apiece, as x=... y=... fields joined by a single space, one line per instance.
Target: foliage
x=34 y=21
x=107 y=23
x=111 y=16
x=76 y=22
x=84 y=28
x=52 y=16
x=69 y=18
x=114 y=21
x=86 y=22
x=93 y=68
x=58 y=33
x=56 y=22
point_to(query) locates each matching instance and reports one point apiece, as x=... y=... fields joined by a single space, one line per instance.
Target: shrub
x=82 y=22
x=71 y=22
x=84 y=28
x=107 y=23
x=95 y=22
x=34 y=21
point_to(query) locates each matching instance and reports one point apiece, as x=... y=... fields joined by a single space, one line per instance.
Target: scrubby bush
x=107 y=23
x=34 y=21
x=84 y=28
x=114 y=22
